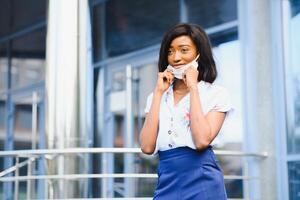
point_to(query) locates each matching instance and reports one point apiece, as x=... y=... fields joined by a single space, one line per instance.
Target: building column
x=69 y=92
x=259 y=136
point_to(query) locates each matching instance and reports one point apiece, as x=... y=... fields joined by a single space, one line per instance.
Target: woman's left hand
x=190 y=77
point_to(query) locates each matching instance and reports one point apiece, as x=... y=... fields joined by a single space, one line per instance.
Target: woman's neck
x=180 y=86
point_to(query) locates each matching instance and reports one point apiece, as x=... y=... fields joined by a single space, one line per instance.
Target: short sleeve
x=222 y=101
x=148 y=103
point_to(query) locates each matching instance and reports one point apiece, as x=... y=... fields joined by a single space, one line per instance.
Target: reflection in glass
x=143 y=82
x=230 y=136
x=2 y=129
x=16 y=15
x=98 y=13
x=131 y=25
x=24 y=113
x=2 y=116
x=2 y=120
x=28 y=59
x=3 y=67
x=23 y=123
x=27 y=71
x=211 y=13
x=293 y=81
x=118 y=80
x=294 y=180
x=224 y=36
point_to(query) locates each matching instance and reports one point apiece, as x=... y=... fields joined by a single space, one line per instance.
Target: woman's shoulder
x=212 y=88
x=217 y=97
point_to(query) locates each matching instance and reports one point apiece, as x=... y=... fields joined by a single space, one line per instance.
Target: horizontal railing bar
x=29 y=153
x=83 y=176
x=240 y=153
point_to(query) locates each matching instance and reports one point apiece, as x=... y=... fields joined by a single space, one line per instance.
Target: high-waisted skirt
x=187 y=174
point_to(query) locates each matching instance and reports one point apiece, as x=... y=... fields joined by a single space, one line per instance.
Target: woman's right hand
x=164 y=80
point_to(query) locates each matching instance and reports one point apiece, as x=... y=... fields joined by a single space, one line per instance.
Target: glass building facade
x=292 y=76
x=125 y=36
x=22 y=75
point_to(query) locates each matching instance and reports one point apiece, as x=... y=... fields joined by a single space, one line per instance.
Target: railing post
x=51 y=189
x=16 y=192
x=34 y=120
x=246 y=182
x=129 y=135
x=29 y=182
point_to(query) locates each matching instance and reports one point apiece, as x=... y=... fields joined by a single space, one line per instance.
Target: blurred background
x=75 y=75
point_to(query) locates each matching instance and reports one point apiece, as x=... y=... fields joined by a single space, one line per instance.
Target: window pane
x=2 y=115
x=293 y=81
x=23 y=123
x=227 y=35
x=17 y=14
x=3 y=66
x=294 y=177
x=145 y=81
x=2 y=129
x=98 y=24
x=28 y=59
x=211 y=13
x=23 y=118
x=27 y=71
x=231 y=134
x=131 y=25
x=2 y=118
x=295 y=7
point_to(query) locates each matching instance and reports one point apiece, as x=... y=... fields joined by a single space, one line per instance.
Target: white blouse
x=174 y=121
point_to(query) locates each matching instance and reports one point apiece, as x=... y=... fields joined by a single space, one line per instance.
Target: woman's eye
x=169 y=52
x=184 y=50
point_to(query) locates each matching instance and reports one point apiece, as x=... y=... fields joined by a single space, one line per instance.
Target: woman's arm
x=204 y=128
x=149 y=131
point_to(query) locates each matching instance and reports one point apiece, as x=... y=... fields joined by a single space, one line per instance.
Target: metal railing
x=33 y=155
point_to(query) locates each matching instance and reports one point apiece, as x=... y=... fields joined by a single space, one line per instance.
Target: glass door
x=28 y=133
x=126 y=85
x=28 y=125
x=291 y=20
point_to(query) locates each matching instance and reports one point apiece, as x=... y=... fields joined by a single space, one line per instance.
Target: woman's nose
x=176 y=57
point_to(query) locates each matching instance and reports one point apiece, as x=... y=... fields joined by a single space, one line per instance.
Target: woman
x=185 y=112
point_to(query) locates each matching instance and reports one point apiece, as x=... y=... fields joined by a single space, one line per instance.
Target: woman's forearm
x=200 y=128
x=149 y=131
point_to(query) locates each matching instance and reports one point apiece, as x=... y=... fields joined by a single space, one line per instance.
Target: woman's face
x=182 y=51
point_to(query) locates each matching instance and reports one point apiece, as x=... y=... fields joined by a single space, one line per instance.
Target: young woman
x=185 y=112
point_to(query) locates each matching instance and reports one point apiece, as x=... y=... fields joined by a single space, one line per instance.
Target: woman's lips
x=178 y=66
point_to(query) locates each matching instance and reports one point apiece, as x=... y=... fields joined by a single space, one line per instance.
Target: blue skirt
x=187 y=174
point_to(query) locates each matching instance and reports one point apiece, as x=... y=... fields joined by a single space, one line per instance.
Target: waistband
x=183 y=152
